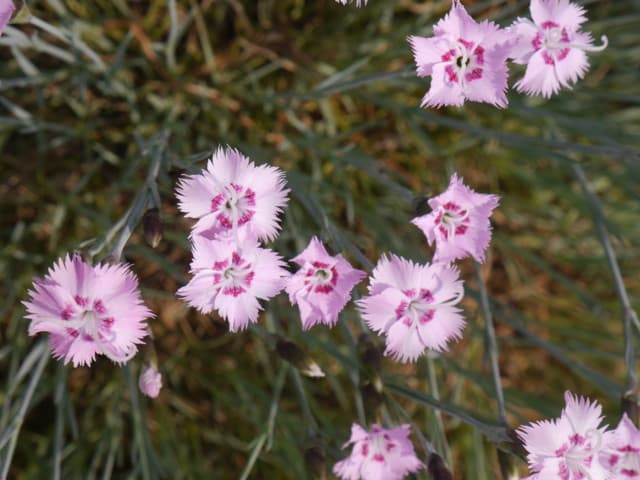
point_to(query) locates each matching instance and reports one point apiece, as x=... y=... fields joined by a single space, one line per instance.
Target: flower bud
x=370 y=355
x=289 y=351
x=152 y=227
x=437 y=468
x=150 y=382
x=314 y=459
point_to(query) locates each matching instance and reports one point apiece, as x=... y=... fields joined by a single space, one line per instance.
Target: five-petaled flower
x=150 y=381
x=88 y=310
x=552 y=46
x=6 y=11
x=621 y=451
x=232 y=194
x=567 y=448
x=414 y=306
x=231 y=277
x=322 y=286
x=458 y=222
x=378 y=454
x=466 y=60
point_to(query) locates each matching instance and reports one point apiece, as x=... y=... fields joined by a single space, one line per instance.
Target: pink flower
x=6 y=11
x=359 y=3
x=466 y=60
x=459 y=222
x=231 y=277
x=150 y=382
x=381 y=454
x=568 y=447
x=233 y=193
x=621 y=453
x=88 y=310
x=552 y=47
x=413 y=305
x=322 y=286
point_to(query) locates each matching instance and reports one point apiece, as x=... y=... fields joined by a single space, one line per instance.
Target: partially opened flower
x=230 y=278
x=552 y=46
x=459 y=222
x=322 y=286
x=88 y=310
x=567 y=447
x=150 y=382
x=6 y=11
x=359 y=3
x=621 y=451
x=233 y=193
x=414 y=306
x=466 y=60
x=379 y=454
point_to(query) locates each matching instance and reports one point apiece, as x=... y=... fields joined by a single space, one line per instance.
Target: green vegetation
x=89 y=109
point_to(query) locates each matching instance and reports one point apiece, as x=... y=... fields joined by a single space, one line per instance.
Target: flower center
x=465 y=62
x=232 y=276
x=234 y=206
x=452 y=220
x=320 y=277
x=376 y=446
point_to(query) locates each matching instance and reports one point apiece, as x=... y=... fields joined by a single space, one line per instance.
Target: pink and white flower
x=568 y=447
x=232 y=194
x=414 y=306
x=6 y=11
x=552 y=46
x=459 y=222
x=322 y=286
x=378 y=454
x=150 y=382
x=88 y=310
x=621 y=453
x=466 y=60
x=231 y=277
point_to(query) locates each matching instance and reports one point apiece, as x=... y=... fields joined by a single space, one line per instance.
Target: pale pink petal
x=6 y=11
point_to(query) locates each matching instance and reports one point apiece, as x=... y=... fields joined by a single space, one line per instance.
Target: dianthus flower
x=230 y=278
x=414 y=306
x=6 y=11
x=150 y=382
x=233 y=193
x=359 y=3
x=621 y=453
x=552 y=46
x=568 y=447
x=466 y=60
x=322 y=286
x=88 y=310
x=378 y=454
x=459 y=222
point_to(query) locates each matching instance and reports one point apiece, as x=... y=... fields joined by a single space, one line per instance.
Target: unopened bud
x=437 y=468
x=508 y=467
x=289 y=351
x=371 y=397
x=370 y=355
x=314 y=459
x=630 y=405
x=421 y=206
x=152 y=227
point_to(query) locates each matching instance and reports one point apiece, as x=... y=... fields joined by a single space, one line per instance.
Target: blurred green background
x=93 y=94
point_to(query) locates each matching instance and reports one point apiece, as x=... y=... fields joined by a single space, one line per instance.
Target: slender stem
x=629 y=316
x=433 y=387
x=302 y=394
x=59 y=399
x=138 y=423
x=491 y=345
x=22 y=411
